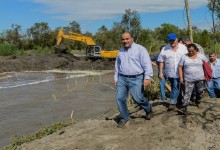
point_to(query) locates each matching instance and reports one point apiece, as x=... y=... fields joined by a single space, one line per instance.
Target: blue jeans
x=162 y=83
x=135 y=86
x=213 y=87
x=175 y=90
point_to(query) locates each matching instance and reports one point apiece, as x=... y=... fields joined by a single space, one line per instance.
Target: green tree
x=88 y=34
x=104 y=38
x=116 y=30
x=102 y=29
x=205 y=39
x=41 y=35
x=165 y=29
x=214 y=7
x=73 y=27
x=131 y=22
x=101 y=36
x=14 y=36
x=149 y=39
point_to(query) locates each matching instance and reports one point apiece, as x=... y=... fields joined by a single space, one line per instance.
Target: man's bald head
x=127 y=39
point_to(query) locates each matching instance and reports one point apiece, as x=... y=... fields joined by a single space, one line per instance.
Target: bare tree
x=189 y=20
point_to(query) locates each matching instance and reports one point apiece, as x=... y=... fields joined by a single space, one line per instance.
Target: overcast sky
x=92 y=14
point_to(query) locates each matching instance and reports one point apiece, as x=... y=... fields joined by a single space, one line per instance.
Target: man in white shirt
x=170 y=56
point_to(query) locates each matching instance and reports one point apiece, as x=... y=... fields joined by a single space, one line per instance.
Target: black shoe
x=122 y=123
x=149 y=114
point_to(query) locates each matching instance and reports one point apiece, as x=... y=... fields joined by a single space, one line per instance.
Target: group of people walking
x=180 y=64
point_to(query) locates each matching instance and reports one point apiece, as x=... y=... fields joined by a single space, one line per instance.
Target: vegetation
x=7 y=49
x=153 y=92
x=42 y=38
x=45 y=50
x=18 y=140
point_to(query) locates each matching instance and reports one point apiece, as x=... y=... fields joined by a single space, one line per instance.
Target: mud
x=52 y=61
x=200 y=129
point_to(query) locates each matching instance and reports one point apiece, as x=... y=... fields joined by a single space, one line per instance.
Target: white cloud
x=106 y=9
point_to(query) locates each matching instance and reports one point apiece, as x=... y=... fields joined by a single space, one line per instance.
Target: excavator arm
x=92 y=49
x=74 y=36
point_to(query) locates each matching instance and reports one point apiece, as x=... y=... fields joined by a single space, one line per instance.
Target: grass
x=45 y=50
x=153 y=91
x=7 y=49
x=11 y=49
x=19 y=140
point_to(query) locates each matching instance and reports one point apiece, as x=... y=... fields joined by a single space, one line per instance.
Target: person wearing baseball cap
x=169 y=59
x=172 y=36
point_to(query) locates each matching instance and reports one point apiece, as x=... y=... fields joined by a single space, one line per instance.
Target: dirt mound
x=53 y=61
x=61 y=49
x=200 y=129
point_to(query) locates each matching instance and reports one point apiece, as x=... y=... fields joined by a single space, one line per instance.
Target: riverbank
x=200 y=129
x=52 y=61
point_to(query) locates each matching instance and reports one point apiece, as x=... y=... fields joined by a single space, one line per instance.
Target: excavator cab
x=93 y=51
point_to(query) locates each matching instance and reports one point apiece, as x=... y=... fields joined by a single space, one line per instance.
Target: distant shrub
x=21 y=52
x=7 y=49
x=45 y=50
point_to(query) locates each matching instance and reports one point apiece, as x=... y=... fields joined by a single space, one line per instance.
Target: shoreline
x=165 y=129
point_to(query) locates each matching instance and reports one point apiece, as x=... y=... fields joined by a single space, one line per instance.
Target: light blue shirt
x=133 y=61
x=216 y=69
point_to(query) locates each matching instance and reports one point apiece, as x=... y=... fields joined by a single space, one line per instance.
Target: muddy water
x=31 y=101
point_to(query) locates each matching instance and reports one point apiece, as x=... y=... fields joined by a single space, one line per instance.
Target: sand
x=199 y=130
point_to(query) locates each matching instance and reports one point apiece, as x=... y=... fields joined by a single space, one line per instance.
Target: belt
x=131 y=76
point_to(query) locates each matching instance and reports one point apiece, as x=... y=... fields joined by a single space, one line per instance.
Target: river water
x=32 y=100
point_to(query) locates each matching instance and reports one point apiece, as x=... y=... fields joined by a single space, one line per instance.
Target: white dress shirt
x=171 y=59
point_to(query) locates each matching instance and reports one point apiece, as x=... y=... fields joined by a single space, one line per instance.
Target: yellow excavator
x=92 y=50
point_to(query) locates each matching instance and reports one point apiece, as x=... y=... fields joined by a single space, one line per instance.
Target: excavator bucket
x=61 y=49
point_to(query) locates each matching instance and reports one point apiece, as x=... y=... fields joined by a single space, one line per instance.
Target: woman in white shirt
x=191 y=74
